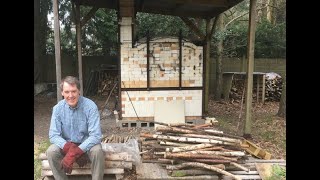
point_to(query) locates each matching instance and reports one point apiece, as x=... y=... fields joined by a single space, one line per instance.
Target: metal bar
x=148 y=60
x=180 y=58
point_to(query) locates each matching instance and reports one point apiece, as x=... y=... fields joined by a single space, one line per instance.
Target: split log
x=169 y=143
x=174 y=130
x=216 y=148
x=205 y=166
x=240 y=166
x=212 y=161
x=218 y=153
x=193 y=164
x=195 y=172
x=185 y=139
x=202 y=125
x=188 y=148
x=169 y=155
x=226 y=139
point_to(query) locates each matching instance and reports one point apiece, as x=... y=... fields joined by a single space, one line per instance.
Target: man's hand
x=83 y=160
x=74 y=153
x=66 y=147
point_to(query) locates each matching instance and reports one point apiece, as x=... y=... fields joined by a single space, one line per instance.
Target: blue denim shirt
x=79 y=125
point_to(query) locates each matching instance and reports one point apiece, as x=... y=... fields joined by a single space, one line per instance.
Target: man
x=75 y=133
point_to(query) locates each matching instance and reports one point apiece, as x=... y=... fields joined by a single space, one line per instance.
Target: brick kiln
x=158 y=69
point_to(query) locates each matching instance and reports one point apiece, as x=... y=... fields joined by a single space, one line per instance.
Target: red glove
x=83 y=160
x=74 y=153
x=66 y=147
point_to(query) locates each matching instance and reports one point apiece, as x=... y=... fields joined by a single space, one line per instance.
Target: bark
x=218 y=89
x=185 y=139
x=218 y=153
x=168 y=155
x=36 y=41
x=271 y=12
x=225 y=139
x=205 y=166
x=188 y=148
x=282 y=106
x=240 y=166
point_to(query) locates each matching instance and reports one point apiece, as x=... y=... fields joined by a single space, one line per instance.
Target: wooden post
x=57 y=47
x=263 y=88
x=258 y=86
x=207 y=59
x=250 y=65
x=78 y=33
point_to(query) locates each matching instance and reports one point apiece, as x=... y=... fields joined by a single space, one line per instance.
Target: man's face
x=71 y=94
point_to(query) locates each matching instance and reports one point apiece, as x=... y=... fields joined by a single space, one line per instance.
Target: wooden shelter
x=185 y=9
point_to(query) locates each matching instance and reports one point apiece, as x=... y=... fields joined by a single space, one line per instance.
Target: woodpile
x=115 y=163
x=192 y=150
x=101 y=80
x=273 y=88
x=117 y=138
x=107 y=80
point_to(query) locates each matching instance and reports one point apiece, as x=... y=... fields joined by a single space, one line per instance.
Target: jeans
x=96 y=155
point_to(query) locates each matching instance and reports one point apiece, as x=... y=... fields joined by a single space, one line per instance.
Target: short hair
x=70 y=80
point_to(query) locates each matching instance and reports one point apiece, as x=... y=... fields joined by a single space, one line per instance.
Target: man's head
x=70 y=90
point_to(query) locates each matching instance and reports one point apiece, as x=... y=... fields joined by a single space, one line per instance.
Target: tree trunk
x=270 y=12
x=282 y=106
x=220 y=28
x=36 y=42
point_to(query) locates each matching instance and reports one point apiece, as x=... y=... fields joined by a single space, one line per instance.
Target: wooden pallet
x=255 y=150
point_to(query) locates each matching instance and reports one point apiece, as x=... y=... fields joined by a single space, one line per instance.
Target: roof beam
x=193 y=27
x=215 y=3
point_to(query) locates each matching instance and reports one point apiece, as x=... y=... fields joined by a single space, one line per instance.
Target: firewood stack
x=273 y=88
x=107 y=80
x=201 y=147
x=115 y=163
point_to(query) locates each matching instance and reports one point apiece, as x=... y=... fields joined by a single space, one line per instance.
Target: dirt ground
x=268 y=130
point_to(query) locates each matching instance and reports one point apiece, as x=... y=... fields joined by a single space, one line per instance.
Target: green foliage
x=39 y=148
x=178 y=174
x=99 y=34
x=270 y=40
x=278 y=173
x=160 y=25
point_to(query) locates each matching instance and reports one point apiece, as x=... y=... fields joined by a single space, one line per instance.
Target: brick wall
x=143 y=102
x=163 y=73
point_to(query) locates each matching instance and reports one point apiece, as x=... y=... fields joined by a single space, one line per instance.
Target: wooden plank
x=85 y=171
x=108 y=164
x=122 y=156
x=264 y=170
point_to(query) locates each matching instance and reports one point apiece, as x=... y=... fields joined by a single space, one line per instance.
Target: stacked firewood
x=117 y=138
x=273 y=88
x=115 y=163
x=108 y=83
x=206 y=150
